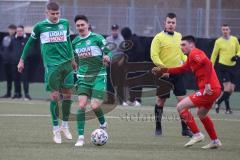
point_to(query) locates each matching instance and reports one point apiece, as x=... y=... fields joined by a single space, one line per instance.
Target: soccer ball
x=99 y=137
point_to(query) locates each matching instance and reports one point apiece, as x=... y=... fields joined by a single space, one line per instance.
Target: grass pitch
x=25 y=133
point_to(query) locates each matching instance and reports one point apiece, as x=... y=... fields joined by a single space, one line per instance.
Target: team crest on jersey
x=88 y=42
x=60 y=26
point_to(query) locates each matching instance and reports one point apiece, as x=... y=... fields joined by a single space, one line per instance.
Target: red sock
x=209 y=126
x=189 y=119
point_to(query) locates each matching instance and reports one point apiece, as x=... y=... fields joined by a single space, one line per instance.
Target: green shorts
x=59 y=77
x=93 y=87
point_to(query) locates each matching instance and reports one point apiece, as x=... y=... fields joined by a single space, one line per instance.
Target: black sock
x=227 y=101
x=224 y=96
x=184 y=125
x=158 y=116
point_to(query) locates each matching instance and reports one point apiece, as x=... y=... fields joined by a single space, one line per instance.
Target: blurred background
x=201 y=18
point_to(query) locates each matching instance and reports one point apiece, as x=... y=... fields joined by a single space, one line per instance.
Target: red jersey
x=201 y=66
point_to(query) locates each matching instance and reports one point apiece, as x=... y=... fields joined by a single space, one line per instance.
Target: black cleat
x=27 y=97
x=229 y=111
x=158 y=132
x=6 y=96
x=187 y=133
x=16 y=96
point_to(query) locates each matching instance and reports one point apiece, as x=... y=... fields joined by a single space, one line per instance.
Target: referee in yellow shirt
x=227 y=48
x=166 y=51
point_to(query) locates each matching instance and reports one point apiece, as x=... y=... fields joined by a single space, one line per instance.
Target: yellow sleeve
x=215 y=53
x=237 y=47
x=155 y=50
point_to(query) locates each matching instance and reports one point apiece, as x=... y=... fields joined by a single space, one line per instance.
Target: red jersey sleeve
x=178 y=70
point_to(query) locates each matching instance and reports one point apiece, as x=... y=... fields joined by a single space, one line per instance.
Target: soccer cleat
x=80 y=141
x=158 y=132
x=66 y=133
x=57 y=136
x=6 y=96
x=27 y=97
x=229 y=111
x=103 y=126
x=195 y=139
x=213 y=144
x=137 y=104
x=124 y=104
x=187 y=133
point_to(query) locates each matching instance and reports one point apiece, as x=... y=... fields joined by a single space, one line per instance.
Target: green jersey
x=55 y=42
x=90 y=51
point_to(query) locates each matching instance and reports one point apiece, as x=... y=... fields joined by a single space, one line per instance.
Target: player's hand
x=106 y=60
x=207 y=90
x=234 y=58
x=165 y=75
x=74 y=65
x=20 y=65
x=159 y=70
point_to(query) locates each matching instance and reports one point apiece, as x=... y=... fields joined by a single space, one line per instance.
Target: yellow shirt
x=225 y=49
x=166 y=50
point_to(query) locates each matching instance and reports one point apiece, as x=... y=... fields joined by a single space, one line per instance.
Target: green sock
x=99 y=113
x=54 y=112
x=66 y=107
x=80 y=121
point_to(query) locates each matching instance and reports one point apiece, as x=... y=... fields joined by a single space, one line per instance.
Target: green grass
x=25 y=133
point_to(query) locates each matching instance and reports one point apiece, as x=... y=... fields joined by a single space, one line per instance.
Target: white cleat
x=66 y=133
x=137 y=104
x=124 y=104
x=213 y=144
x=103 y=126
x=195 y=139
x=80 y=141
x=57 y=136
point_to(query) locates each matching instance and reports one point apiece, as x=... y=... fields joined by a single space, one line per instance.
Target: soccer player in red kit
x=209 y=91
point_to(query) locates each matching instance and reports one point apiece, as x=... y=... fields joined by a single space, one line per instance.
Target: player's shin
x=158 y=118
x=209 y=126
x=190 y=121
x=66 y=107
x=80 y=121
x=54 y=114
x=99 y=113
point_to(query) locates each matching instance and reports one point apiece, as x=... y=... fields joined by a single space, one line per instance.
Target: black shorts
x=178 y=86
x=228 y=73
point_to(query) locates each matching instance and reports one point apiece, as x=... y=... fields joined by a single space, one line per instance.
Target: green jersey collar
x=85 y=36
x=52 y=22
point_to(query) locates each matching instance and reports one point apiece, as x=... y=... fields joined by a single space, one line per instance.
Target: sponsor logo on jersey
x=53 y=36
x=84 y=52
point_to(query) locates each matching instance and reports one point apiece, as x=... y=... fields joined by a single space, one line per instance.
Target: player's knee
x=54 y=96
x=179 y=107
x=160 y=101
x=95 y=105
x=82 y=104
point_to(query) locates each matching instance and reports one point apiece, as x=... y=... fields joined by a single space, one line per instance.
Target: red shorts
x=200 y=100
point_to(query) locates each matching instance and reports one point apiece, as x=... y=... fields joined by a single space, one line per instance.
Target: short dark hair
x=80 y=17
x=189 y=38
x=114 y=27
x=54 y=6
x=12 y=26
x=20 y=26
x=225 y=25
x=171 y=15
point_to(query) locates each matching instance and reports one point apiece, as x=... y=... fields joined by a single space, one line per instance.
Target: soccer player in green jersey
x=58 y=60
x=93 y=56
